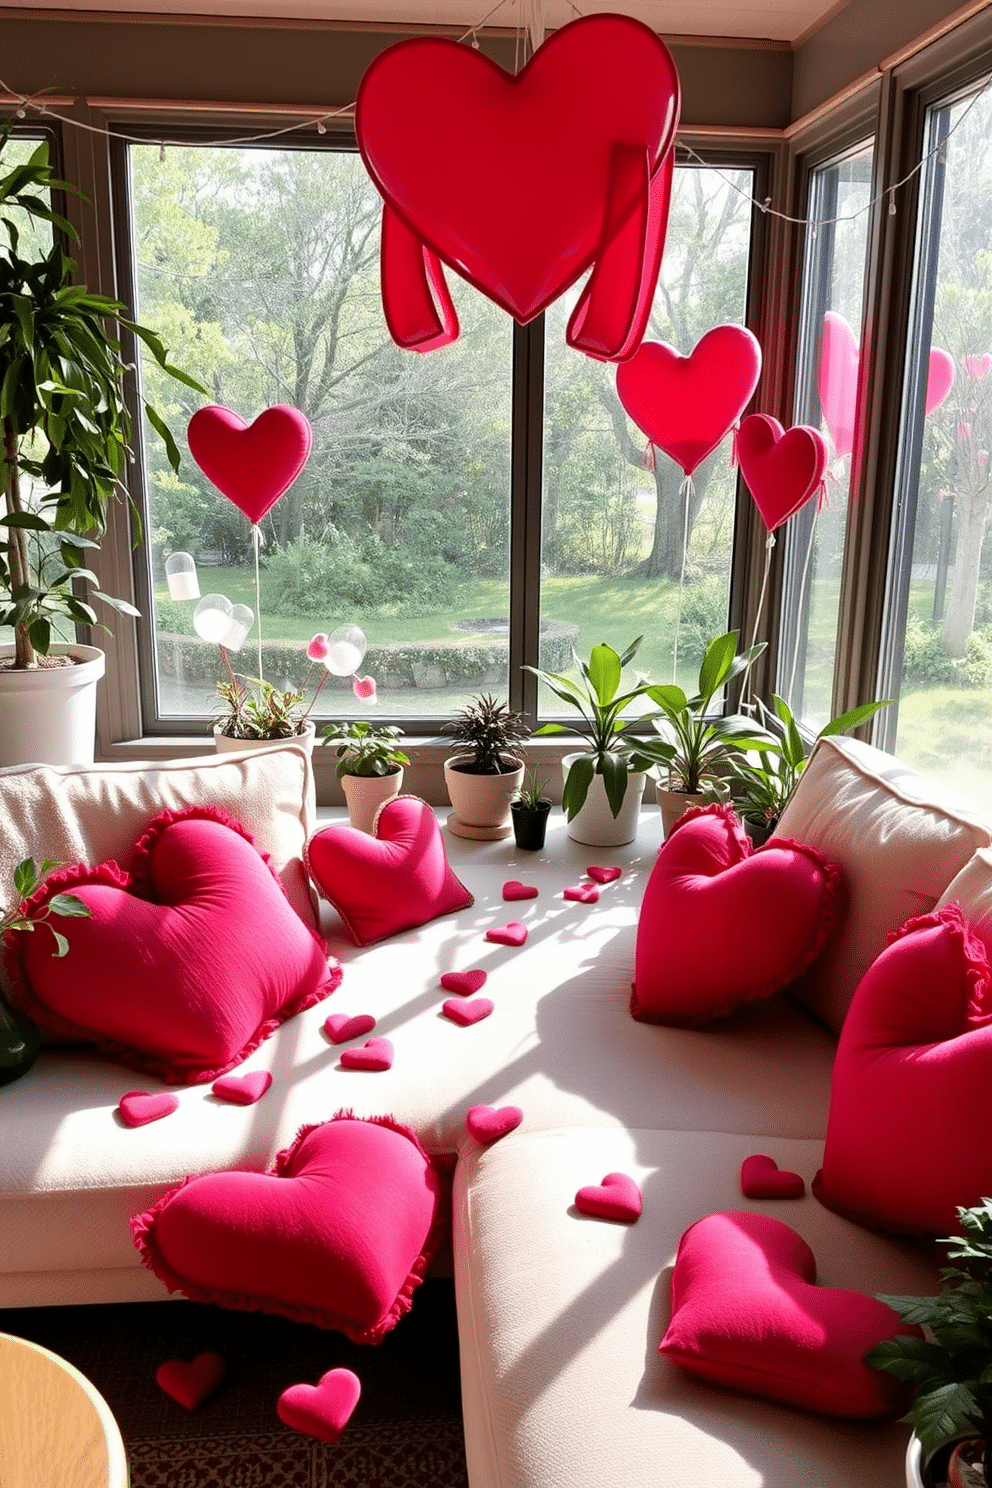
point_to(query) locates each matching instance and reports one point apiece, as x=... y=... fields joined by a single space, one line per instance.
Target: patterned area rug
x=406 y=1431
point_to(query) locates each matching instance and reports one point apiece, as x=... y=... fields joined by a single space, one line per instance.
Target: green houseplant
x=529 y=810
x=370 y=766
x=66 y=433
x=761 y=787
x=613 y=763
x=485 y=772
x=951 y=1363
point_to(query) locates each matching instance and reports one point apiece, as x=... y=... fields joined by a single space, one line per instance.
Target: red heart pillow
x=746 y=1313
x=339 y=1233
x=907 y=1136
x=721 y=924
x=391 y=881
x=186 y=964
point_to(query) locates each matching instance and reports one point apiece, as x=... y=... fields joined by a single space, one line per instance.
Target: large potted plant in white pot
x=485 y=774
x=66 y=437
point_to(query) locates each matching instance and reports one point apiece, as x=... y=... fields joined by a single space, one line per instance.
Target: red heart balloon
x=617 y=1197
x=322 y=1410
x=782 y=469
x=515 y=182
x=940 y=378
x=251 y=464
x=190 y=1384
x=840 y=361
x=686 y=404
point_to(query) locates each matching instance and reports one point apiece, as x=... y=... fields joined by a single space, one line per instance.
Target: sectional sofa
x=560 y=1313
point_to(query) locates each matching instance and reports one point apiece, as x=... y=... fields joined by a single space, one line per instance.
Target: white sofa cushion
x=899 y=837
x=95 y=812
x=972 y=889
x=560 y=1317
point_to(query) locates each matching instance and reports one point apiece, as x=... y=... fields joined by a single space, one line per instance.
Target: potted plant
x=254 y=711
x=529 y=811
x=66 y=435
x=760 y=787
x=484 y=775
x=370 y=767
x=950 y=1363
x=20 y=1041
x=693 y=746
x=604 y=782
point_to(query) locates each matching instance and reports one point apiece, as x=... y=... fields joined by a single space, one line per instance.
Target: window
x=260 y=269
x=828 y=365
x=938 y=642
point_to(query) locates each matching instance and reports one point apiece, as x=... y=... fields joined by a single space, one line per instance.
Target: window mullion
x=525 y=511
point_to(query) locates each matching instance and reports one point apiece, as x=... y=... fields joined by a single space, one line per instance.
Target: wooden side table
x=55 y=1428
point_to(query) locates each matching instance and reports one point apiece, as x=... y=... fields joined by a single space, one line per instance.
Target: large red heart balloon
x=339 y=1233
x=782 y=469
x=907 y=1137
x=746 y=1312
x=840 y=363
x=251 y=464
x=521 y=183
x=686 y=404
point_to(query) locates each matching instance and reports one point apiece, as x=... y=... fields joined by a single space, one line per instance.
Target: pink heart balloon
x=782 y=469
x=978 y=366
x=940 y=379
x=686 y=404
x=840 y=360
x=251 y=464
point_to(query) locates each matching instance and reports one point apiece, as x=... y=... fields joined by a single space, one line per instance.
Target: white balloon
x=212 y=618
x=346 y=649
x=239 y=626
x=180 y=572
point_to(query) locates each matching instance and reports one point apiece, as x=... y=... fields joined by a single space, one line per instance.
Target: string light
x=892 y=201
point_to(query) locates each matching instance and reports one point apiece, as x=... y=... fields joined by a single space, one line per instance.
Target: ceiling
x=783 y=21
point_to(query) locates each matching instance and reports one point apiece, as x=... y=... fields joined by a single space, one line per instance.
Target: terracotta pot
x=594 y=823
x=481 y=802
x=226 y=745
x=674 y=804
x=366 y=793
x=48 y=715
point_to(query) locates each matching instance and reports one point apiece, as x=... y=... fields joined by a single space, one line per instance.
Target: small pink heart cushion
x=465 y=982
x=339 y=1027
x=339 y=1233
x=747 y=1313
x=513 y=934
x=582 y=893
x=190 y=1384
x=722 y=925
x=185 y=964
x=374 y=1054
x=322 y=1410
x=489 y=1123
x=907 y=1133
x=389 y=882
x=467 y=1010
x=139 y=1107
x=513 y=889
x=242 y=1090
x=617 y=1197
x=762 y=1178
x=604 y=873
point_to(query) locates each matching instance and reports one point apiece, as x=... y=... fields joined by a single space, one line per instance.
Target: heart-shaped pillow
x=721 y=924
x=907 y=1135
x=186 y=964
x=339 y=1233
x=746 y=1312
x=391 y=881
x=251 y=464
x=516 y=183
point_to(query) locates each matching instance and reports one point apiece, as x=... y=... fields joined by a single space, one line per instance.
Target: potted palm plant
x=66 y=434
x=949 y=1362
x=604 y=782
x=370 y=766
x=484 y=774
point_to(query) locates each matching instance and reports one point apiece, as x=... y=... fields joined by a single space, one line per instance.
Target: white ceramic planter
x=225 y=745
x=674 y=804
x=595 y=824
x=914 y=1469
x=481 y=802
x=48 y=715
x=366 y=793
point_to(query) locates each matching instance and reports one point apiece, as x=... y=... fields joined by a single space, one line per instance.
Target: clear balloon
x=180 y=573
x=239 y=627
x=212 y=618
x=345 y=651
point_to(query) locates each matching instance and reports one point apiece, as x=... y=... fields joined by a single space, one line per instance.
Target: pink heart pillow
x=721 y=924
x=186 y=964
x=391 y=881
x=339 y=1233
x=907 y=1135
x=746 y=1312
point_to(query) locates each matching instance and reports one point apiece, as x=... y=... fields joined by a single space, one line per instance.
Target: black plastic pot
x=19 y=1043
x=529 y=824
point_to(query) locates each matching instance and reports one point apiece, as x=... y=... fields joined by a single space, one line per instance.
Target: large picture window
x=259 y=266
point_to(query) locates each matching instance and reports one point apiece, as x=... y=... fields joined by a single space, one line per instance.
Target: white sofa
x=560 y=1315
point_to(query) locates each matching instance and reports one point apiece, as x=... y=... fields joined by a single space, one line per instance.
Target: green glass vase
x=19 y=1043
